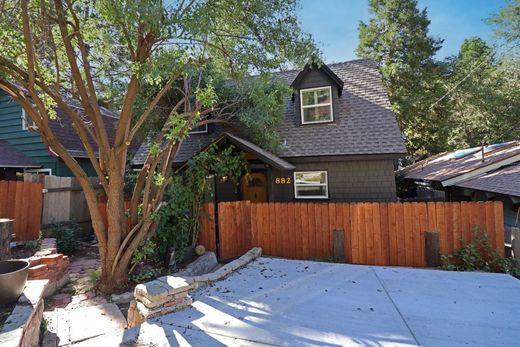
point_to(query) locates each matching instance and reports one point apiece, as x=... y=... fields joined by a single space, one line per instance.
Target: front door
x=254 y=187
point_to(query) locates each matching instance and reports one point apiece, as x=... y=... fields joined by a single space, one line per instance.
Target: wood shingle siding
x=27 y=142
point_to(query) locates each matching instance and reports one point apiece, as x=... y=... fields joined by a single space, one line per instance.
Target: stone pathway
x=70 y=326
x=77 y=313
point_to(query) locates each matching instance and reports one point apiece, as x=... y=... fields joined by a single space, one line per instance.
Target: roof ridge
x=330 y=64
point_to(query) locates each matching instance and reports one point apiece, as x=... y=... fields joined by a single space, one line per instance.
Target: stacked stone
x=168 y=294
x=163 y=295
x=6 y=231
x=48 y=264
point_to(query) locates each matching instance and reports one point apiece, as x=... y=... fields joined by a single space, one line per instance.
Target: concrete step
x=68 y=327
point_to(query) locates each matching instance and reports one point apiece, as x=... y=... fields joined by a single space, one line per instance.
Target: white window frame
x=26 y=120
x=326 y=185
x=39 y=171
x=302 y=107
x=205 y=131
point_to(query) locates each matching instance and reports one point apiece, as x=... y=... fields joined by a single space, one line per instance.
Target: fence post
x=515 y=242
x=432 y=253
x=338 y=245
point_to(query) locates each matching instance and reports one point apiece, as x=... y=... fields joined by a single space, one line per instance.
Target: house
x=474 y=174
x=339 y=141
x=22 y=149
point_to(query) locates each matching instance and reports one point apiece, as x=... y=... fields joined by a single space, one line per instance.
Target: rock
x=200 y=250
x=6 y=232
x=202 y=265
x=123 y=298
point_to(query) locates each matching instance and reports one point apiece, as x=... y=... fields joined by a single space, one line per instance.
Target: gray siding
x=357 y=180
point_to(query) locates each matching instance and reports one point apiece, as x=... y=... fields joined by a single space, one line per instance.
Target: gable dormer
x=316 y=93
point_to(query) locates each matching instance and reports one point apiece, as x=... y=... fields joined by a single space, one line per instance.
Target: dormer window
x=316 y=105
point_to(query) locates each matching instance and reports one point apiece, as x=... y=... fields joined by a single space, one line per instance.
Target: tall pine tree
x=397 y=38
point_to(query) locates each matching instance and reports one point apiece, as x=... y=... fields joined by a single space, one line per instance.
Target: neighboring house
x=20 y=138
x=339 y=141
x=474 y=174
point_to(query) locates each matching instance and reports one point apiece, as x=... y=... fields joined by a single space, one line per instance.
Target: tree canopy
x=465 y=100
x=131 y=54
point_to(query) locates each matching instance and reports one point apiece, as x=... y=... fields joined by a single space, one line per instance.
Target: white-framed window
x=203 y=129
x=311 y=185
x=47 y=172
x=27 y=122
x=316 y=105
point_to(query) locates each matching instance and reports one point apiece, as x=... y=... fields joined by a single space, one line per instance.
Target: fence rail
x=22 y=201
x=372 y=233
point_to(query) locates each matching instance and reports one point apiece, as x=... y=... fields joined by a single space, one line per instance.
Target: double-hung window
x=311 y=185
x=316 y=105
x=27 y=122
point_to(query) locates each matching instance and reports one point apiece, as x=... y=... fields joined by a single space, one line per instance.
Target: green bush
x=146 y=274
x=66 y=237
x=479 y=255
x=180 y=216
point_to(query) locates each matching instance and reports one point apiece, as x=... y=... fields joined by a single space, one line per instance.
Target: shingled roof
x=450 y=165
x=67 y=136
x=364 y=123
x=502 y=181
x=10 y=157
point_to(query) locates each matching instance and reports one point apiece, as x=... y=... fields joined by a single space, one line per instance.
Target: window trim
x=316 y=105
x=205 y=131
x=326 y=184
x=26 y=120
x=38 y=171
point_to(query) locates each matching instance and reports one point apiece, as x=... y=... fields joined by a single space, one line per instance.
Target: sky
x=334 y=23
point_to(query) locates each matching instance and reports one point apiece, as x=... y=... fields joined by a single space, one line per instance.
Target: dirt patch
x=22 y=252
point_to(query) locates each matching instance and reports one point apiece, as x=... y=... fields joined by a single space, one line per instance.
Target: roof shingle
x=502 y=181
x=11 y=157
x=364 y=122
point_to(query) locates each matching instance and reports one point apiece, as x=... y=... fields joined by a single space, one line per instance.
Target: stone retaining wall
x=170 y=293
x=22 y=327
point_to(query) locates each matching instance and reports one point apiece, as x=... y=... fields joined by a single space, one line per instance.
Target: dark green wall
x=29 y=142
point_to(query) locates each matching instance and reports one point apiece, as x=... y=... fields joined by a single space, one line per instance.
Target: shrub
x=66 y=237
x=146 y=274
x=147 y=249
x=478 y=255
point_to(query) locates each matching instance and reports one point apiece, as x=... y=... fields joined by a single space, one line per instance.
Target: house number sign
x=283 y=180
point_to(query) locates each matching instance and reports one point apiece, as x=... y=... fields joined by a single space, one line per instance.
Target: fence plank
x=392 y=234
x=465 y=212
x=401 y=252
x=378 y=240
x=369 y=222
x=306 y=242
x=423 y=223
x=441 y=222
x=499 y=227
x=326 y=251
x=332 y=226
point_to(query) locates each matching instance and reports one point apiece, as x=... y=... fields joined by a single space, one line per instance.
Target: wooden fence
x=63 y=199
x=373 y=233
x=22 y=201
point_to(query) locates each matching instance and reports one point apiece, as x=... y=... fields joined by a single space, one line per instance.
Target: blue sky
x=334 y=23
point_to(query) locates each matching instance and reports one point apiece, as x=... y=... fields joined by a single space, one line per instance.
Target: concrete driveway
x=280 y=302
